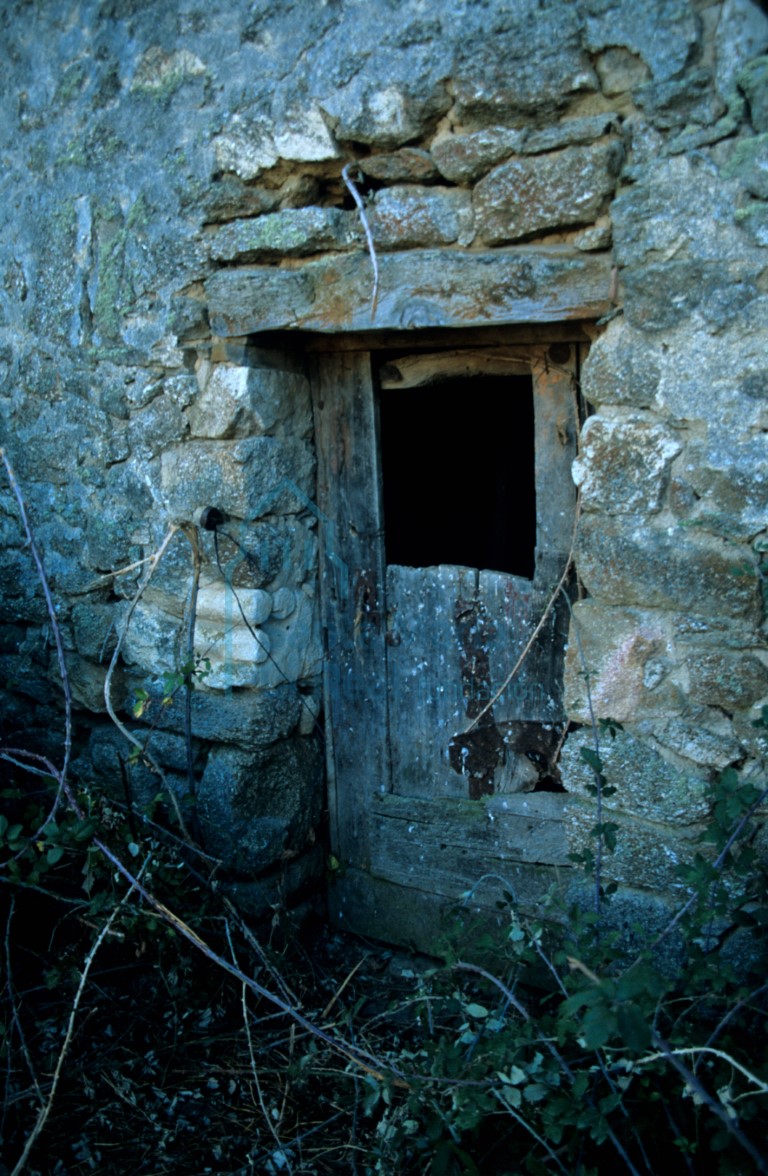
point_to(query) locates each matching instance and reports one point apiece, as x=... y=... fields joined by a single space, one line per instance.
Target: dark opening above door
x=458 y=474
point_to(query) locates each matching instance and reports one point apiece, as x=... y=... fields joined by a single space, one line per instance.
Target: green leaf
x=640 y=980
x=84 y=830
x=609 y=835
x=633 y=1027
x=511 y=1095
x=54 y=854
x=587 y=997
x=598 y=1027
x=476 y=1010
x=592 y=758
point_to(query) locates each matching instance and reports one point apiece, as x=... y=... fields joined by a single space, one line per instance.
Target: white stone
x=306 y=138
x=218 y=603
x=246 y=147
x=283 y=603
x=221 y=403
x=234 y=656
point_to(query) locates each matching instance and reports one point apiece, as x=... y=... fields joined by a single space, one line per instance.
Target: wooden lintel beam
x=428 y=288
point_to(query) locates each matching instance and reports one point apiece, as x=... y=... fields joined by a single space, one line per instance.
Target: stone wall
x=151 y=152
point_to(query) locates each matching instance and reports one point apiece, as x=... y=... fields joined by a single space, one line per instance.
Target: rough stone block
x=629 y=656
x=647 y=855
x=407 y=217
x=622 y=367
x=86 y=681
x=526 y=60
x=302 y=876
x=571 y=132
x=244 y=478
x=160 y=424
x=680 y=210
x=408 y=165
x=246 y=718
x=699 y=370
x=526 y=196
x=598 y=236
x=729 y=476
x=623 y=467
x=742 y=32
x=302 y=135
x=668 y=295
x=151 y=641
x=246 y=147
x=463 y=158
x=646 y=785
x=239 y=402
x=93 y=625
x=749 y=165
x=257 y=809
x=705 y=736
x=753 y=81
x=666 y=569
x=664 y=35
x=733 y=681
x=620 y=71
x=679 y=102
x=386 y=112
x=294 y=232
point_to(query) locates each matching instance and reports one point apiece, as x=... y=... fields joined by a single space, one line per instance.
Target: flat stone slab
x=417 y=289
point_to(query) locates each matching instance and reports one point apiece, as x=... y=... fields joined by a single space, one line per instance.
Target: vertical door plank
x=556 y=429
x=426 y=675
x=353 y=590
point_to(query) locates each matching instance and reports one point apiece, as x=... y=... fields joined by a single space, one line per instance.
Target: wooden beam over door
x=420 y=289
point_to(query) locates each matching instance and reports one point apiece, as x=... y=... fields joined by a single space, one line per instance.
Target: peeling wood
x=421 y=918
x=419 y=289
x=352 y=589
x=414 y=371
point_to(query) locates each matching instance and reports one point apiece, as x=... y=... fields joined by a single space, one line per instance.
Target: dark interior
x=458 y=474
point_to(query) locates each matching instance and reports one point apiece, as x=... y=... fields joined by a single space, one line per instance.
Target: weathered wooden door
x=441 y=765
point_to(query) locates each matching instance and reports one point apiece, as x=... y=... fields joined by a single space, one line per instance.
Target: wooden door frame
x=353 y=593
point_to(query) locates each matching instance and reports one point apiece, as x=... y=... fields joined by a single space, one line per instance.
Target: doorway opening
x=458 y=473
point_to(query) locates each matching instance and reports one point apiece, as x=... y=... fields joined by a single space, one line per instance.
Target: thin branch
x=254 y=1070
x=251 y=939
x=732 y=1012
x=695 y=1086
x=368 y=234
x=14 y=1009
x=154 y=560
x=698 y=1050
x=530 y=642
x=192 y=536
x=51 y=612
x=523 y=1123
x=718 y=864
x=46 y=1109
x=552 y=1049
